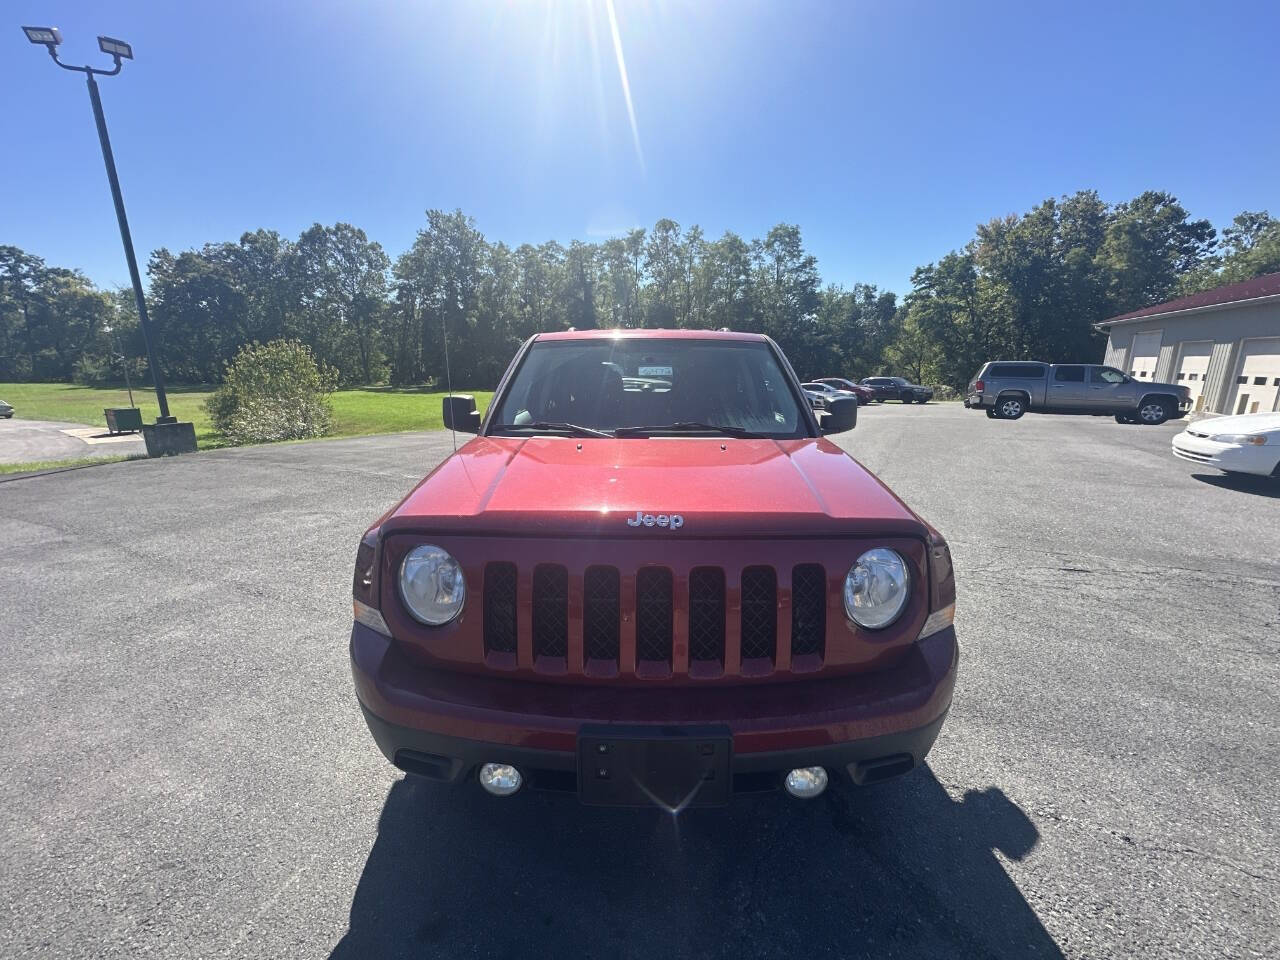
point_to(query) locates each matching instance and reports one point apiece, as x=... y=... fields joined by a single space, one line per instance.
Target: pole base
x=169 y=439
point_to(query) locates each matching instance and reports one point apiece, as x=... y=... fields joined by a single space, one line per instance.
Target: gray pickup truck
x=1007 y=389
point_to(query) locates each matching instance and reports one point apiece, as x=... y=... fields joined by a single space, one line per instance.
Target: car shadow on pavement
x=1243 y=483
x=900 y=869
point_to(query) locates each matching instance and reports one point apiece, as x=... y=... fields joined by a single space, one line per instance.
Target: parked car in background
x=1249 y=443
x=898 y=388
x=1008 y=389
x=653 y=597
x=828 y=392
x=6 y=411
x=864 y=394
x=817 y=398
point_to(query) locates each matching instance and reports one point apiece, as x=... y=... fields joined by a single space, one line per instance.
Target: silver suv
x=1008 y=389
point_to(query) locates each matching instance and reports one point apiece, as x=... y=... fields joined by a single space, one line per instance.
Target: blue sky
x=886 y=130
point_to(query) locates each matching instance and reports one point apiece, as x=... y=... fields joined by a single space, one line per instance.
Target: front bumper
x=444 y=724
x=1229 y=457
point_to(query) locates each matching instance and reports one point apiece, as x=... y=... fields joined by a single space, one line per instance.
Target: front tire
x=1152 y=413
x=1010 y=408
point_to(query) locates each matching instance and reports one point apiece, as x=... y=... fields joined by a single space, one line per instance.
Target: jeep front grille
x=550 y=610
x=706 y=614
x=653 y=614
x=759 y=613
x=808 y=609
x=650 y=622
x=500 y=607
x=601 y=613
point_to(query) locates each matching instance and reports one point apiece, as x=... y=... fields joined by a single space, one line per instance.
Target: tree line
x=1025 y=286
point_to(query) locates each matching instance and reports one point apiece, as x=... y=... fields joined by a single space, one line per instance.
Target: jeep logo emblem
x=672 y=520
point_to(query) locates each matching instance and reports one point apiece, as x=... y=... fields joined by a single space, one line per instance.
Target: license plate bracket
x=671 y=767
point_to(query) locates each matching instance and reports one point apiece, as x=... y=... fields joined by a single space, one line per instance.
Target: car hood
x=1171 y=387
x=1244 y=423
x=719 y=487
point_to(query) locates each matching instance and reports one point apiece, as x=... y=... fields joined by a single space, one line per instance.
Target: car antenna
x=448 y=379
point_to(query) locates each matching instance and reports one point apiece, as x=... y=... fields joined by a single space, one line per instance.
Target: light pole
x=163 y=440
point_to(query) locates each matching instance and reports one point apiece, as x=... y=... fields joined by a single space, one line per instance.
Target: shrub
x=273 y=391
x=944 y=392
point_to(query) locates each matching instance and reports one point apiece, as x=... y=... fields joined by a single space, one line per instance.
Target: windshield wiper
x=559 y=426
x=689 y=426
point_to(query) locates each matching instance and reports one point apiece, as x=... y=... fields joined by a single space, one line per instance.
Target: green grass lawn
x=356 y=412
x=31 y=466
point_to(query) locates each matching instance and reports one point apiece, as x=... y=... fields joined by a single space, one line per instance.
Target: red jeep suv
x=650 y=579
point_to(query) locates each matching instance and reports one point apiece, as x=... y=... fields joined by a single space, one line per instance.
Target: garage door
x=1142 y=359
x=1193 y=366
x=1258 y=383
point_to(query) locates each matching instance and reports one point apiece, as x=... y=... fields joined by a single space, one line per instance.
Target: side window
x=1106 y=375
x=1068 y=374
x=1019 y=371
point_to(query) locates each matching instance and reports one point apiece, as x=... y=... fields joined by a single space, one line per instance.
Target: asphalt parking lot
x=186 y=772
x=28 y=441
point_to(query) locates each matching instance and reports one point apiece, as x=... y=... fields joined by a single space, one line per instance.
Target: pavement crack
x=1149 y=846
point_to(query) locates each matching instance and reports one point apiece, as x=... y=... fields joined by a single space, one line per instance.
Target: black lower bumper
x=451 y=759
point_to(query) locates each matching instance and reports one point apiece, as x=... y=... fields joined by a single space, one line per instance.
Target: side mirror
x=841 y=415
x=460 y=413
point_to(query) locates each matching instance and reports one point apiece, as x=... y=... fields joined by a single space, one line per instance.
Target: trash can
x=123 y=419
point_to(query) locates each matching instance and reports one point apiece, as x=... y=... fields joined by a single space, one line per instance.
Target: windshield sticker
x=654 y=372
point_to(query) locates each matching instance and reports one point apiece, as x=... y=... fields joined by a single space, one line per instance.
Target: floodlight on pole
x=116 y=48
x=43 y=36
x=179 y=437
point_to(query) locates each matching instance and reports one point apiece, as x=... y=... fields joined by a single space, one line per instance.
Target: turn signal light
x=364 y=585
x=938 y=621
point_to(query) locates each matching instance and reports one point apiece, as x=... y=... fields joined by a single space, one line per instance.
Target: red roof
x=1268 y=285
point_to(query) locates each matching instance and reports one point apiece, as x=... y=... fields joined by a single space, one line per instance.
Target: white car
x=825 y=393
x=1249 y=443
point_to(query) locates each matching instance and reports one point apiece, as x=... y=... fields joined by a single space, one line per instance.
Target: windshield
x=681 y=385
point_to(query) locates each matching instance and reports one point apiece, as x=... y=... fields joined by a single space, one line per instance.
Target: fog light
x=502 y=779
x=806 y=782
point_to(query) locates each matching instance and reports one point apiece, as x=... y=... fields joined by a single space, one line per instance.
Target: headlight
x=1243 y=439
x=876 y=588
x=432 y=585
